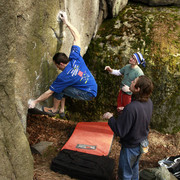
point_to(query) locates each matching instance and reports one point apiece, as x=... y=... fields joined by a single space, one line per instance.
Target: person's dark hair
x=60 y=58
x=146 y=88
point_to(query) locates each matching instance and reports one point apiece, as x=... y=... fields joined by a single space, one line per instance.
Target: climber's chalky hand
x=62 y=16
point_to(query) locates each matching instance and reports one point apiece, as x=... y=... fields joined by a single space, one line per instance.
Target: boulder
x=154 y=32
x=41 y=147
x=30 y=36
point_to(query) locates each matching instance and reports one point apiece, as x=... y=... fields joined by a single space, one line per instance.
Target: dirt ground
x=58 y=131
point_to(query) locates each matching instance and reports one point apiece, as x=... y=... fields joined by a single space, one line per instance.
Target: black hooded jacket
x=132 y=126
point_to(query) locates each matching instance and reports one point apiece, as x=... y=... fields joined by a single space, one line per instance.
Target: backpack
x=172 y=164
x=160 y=173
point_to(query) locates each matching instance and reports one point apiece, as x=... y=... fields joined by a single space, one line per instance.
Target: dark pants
x=74 y=93
x=129 y=163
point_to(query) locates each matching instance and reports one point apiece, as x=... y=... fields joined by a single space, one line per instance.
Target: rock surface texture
x=30 y=35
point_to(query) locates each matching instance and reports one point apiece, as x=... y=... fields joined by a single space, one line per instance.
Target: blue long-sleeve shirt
x=132 y=126
x=75 y=74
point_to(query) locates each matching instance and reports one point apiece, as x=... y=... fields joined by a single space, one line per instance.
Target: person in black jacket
x=132 y=126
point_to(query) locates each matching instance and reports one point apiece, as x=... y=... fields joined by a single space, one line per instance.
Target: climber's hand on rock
x=32 y=104
x=62 y=16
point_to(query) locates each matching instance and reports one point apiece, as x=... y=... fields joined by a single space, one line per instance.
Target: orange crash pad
x=92 y=138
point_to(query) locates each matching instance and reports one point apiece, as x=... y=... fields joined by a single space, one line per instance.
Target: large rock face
x=16 y=159
x=30 y=35
x=154 y=31
x=40 y=36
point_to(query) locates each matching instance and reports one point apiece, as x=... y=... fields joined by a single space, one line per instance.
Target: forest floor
x=58 y=131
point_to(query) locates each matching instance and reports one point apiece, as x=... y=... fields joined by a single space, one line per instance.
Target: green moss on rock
x=155 y=33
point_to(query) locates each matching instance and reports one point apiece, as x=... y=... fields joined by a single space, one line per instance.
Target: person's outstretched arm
x=112 y=71
x=43 y=97
x=73 y=30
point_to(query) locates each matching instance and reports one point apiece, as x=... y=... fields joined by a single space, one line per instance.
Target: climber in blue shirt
x=75 y=80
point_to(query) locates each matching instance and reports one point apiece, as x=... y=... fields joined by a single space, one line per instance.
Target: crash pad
x=83 y=166
x=92 y=138
x=85 y=154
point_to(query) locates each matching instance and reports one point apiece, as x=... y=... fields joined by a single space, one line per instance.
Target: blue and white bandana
x=140 y=59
